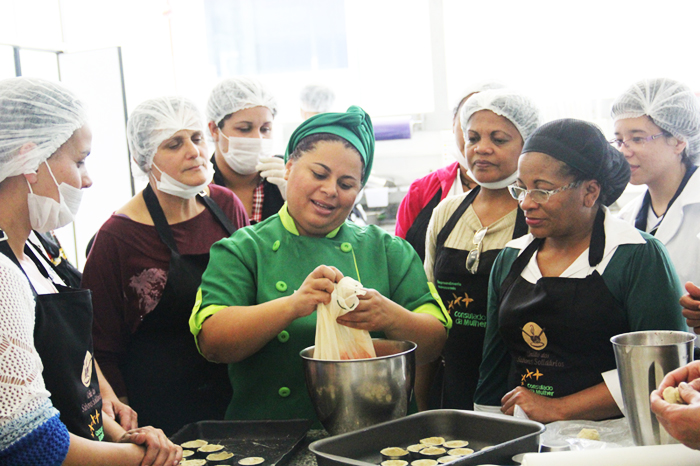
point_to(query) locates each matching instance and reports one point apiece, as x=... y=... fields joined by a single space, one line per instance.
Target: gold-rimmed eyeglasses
x=538 y=196
x=475 y=253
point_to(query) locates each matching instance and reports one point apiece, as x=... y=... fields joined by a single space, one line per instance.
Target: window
x=252 y=37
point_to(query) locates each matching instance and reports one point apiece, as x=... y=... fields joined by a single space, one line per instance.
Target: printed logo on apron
x=95 y=422
x=87 y=369
x=534 y=336
x=457 y=306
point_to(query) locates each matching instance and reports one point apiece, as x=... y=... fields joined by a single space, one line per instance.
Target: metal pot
x=352 y=394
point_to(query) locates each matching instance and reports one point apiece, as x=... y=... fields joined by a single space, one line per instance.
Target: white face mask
x=459 y=157
x=244 y=154
x=45 y=214
x=496 y=184
x=168 y=184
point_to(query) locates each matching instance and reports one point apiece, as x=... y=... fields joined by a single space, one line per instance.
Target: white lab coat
x=679 y=230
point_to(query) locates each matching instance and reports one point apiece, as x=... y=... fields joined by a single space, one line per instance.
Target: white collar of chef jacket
x=617 y=232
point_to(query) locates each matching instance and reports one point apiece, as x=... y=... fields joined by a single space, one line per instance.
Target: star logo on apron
x=534 y=336
x=87 y=369
x=459 y=300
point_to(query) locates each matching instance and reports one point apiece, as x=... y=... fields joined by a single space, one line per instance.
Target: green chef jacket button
x=281 y=286
x=283 y=336
x=346 y=247
x=276 y=245
x=284 y=392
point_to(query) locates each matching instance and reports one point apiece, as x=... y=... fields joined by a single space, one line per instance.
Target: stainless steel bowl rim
x=621 y=336
x=378 y=358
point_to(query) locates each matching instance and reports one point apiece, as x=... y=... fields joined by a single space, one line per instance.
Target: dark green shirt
x=639 y=275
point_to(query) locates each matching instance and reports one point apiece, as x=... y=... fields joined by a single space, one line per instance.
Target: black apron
x=558 y=330
x=68 y=273
x=416 y=234
x=63 y=339
x=169 y=384
x=465 y=296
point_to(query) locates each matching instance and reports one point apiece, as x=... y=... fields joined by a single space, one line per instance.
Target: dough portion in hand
x=590 y=434
x=671 y=395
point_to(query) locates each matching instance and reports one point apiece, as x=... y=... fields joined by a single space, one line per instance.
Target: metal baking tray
x=275 y=441
x=507 y=435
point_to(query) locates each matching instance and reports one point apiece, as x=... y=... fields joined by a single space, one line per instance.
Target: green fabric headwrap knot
x=355 y=126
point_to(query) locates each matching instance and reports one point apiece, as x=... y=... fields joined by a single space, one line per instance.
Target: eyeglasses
x=636 y=141
x=539 y=196
x=475 y=254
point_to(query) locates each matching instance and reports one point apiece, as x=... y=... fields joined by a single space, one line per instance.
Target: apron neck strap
x=159 y=220
x=597 y=246
x=454 y=218
x=161 y=223
x=596 y=250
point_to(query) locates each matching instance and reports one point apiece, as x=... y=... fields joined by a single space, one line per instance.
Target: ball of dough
x=671 y=395
x=590 y=434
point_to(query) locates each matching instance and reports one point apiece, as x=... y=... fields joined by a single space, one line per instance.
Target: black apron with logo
x=169 y=384
x=416 y=233
x=63 y=339
x=558 y=330
x=465 y=296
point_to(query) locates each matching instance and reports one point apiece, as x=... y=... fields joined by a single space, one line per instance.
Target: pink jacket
x=421 y=192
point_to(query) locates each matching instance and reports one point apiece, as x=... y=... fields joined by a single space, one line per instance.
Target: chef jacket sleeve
x=496 y=360
x=229 y=280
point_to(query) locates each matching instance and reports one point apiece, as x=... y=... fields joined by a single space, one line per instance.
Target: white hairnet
x=234 y=94
x=513 y=106
x=672 y=106
x=39 y=112
x=316 y=98
x=156 y=120
x=477 y=87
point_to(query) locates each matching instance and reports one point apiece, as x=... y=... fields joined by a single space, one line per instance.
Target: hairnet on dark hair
x=582 y=146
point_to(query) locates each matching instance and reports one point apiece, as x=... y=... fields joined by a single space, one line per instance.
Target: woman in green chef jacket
x=255 y=308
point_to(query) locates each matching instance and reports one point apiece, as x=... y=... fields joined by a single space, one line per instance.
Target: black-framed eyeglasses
x=475 y=253
x=636 y=141
x=539 y=196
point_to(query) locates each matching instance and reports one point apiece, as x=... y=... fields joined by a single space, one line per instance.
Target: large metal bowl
x=352 y=394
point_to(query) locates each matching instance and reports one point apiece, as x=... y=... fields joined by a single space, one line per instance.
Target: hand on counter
x=160 y=451
x=120 y=412
x=593 y=403
x=681 y=421
x=537 y=407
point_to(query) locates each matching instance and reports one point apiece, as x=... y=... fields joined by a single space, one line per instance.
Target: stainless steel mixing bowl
x=349 y=395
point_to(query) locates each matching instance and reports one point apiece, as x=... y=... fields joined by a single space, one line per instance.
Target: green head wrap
x=355 y=126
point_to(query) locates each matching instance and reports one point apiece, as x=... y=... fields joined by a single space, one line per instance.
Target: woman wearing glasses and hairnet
x=146 y=264
x=657 y=128
x=240 y=113
x=47 y=359
x=582 y=276
x=466 y=232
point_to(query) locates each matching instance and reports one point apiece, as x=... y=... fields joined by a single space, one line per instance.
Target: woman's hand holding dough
x=316 y=289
